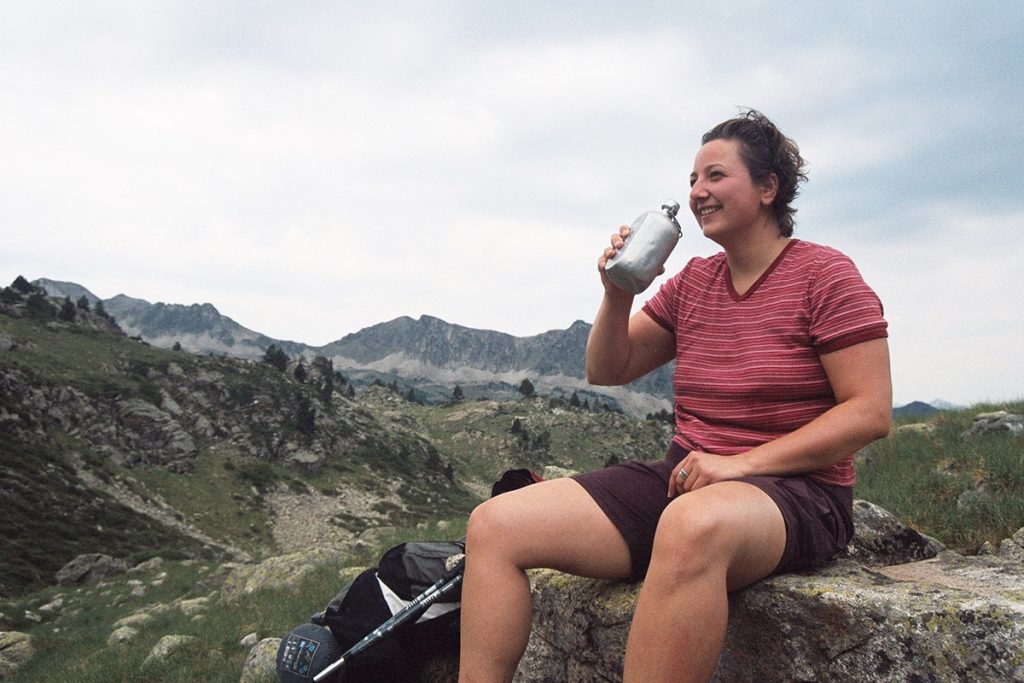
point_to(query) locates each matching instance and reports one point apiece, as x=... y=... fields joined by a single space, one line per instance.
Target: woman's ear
x=769 y=189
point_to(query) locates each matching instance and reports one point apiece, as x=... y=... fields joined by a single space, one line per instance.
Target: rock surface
x=997 y=421
x=261 y=663
x=15 y=649
x=897 y=607
x=90 y=567
x=282 y=571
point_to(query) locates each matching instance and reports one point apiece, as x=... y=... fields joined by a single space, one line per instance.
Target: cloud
x=312 y=167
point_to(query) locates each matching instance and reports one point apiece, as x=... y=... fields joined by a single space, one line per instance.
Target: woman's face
x=723 y=197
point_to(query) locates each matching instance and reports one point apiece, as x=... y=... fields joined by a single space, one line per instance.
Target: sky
x=312 y=168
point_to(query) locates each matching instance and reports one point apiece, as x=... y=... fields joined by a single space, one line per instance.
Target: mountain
x=199 y=328
x=914 y=409
x=427 y=355
x=435 y=355
x=943 y=404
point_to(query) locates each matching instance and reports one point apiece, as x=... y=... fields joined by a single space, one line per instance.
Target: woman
x=782 y=374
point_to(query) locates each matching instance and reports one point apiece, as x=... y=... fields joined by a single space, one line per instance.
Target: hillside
x=108 y=443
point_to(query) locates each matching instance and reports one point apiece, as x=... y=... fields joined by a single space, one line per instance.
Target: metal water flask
x=652 y=237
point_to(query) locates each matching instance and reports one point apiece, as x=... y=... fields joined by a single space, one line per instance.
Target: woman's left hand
x=698 y=469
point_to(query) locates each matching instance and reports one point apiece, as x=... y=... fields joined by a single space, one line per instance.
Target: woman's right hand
x=617 y=240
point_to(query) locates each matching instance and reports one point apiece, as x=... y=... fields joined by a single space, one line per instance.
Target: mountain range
x=427 y=356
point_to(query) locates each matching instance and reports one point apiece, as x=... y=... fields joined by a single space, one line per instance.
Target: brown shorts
x=819 y=517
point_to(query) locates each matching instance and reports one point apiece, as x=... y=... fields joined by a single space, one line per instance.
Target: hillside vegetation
x=965 y=489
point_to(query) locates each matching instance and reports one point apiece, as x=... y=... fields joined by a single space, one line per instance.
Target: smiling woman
x=781 y=375
x=774 y=163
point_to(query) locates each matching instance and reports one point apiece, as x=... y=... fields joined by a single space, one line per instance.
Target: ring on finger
x=682 y=474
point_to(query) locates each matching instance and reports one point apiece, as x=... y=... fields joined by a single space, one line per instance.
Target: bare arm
x=861 y=382
x=622 y=348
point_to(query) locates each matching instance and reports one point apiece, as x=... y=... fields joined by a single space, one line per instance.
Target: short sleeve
x=662 y=307
x=844 y=309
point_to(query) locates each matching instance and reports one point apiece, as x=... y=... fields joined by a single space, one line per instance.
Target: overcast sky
x=312 y=168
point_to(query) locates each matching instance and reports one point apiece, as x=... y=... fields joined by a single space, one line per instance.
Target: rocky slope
x=226 y=457
x=198 y=449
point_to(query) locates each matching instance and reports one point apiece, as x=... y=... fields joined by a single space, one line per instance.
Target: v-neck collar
x=736 y=296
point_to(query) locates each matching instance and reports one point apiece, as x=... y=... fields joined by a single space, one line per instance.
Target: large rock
x=944 y=618
x=997 y=421
x=169 y=647
x=15 y=649
x=261 y=662
x=276 y=572
x=90 y=567
x=882 y=539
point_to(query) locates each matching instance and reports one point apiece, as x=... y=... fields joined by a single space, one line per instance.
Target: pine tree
x=67 y=310
x=100 y=310
x=305 y=417
x=526 y=388
x=276 y=358
x=22 y=285
x=38 y=305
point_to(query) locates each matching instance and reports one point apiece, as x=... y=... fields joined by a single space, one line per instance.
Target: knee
x=489 y=521
x=689 y=540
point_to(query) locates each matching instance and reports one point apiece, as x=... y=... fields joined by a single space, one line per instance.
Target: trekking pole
x=442 y=587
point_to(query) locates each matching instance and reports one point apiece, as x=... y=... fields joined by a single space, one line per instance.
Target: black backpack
x=375 y=595
x=403 y=575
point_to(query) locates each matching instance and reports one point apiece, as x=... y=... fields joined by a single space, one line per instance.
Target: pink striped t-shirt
x=747 y=367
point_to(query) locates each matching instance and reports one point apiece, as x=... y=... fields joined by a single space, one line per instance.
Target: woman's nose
x=697 y=190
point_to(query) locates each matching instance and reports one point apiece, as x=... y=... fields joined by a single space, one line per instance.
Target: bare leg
x=709 y=541
x=552 y=524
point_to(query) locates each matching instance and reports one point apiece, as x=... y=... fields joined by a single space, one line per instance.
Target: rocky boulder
x=90 y=567
x=944 y=618
x=275 y=572
x=997 y=421
x=15 y=649
x=261 y=662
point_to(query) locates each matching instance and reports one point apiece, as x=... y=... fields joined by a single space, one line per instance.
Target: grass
x=48 y=518
x=104 y=364
x=963 y=490
x=219 y=495
x=74 y=647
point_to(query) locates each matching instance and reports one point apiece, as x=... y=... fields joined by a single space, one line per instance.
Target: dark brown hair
x=765 y=150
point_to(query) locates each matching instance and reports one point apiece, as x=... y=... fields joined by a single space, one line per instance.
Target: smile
x=707 y=210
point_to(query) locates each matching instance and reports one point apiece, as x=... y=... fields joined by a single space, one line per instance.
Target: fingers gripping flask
x=652 y=237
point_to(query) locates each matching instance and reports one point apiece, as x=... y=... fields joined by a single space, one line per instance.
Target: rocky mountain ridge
x=427 y=354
